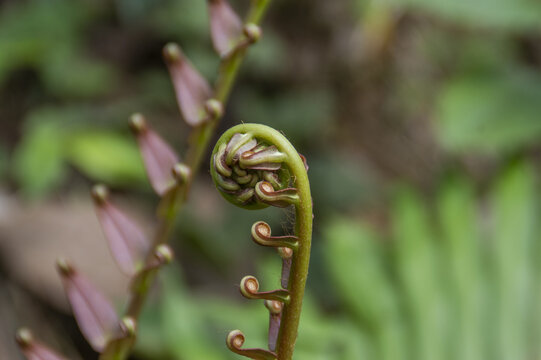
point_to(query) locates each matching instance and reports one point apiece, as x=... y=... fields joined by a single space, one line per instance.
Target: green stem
x=138 y=296
x=297 y=281
x=257 y=10
x=200 y=139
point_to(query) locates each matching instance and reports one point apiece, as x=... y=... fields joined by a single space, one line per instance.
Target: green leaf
x=460 y=235
x=353 y=257
x=514 y=216
x=491 y=114
x=106 y=157
x=416 y=260
x=38 y=162
x=358 y=275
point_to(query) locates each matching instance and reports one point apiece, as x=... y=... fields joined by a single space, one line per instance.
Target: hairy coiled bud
x=243 y=164
x=261 y=234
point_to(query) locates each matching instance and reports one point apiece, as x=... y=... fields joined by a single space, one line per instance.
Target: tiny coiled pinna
x=254 y=166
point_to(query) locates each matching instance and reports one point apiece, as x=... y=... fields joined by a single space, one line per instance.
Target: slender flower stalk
x=202 y=107
x=200 y=138
x=254 y=166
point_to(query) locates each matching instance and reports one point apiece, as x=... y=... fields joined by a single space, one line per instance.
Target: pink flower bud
x=225 y=26
x=158 y=157
x=32 y=349
x=127 y=241
x=94 y=314
x=191 y=88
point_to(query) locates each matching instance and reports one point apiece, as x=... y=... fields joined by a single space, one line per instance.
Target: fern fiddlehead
x=254 y=166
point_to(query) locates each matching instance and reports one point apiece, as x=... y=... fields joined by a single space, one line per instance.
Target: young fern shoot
x=254 y=166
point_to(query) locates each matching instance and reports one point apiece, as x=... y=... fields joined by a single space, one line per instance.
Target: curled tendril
x=249 y=288
x=266 y=193
x=261 y=234
x=249 y=172
x=235 y=339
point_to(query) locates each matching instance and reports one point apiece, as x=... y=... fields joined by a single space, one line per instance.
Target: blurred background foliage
x=421 y=122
